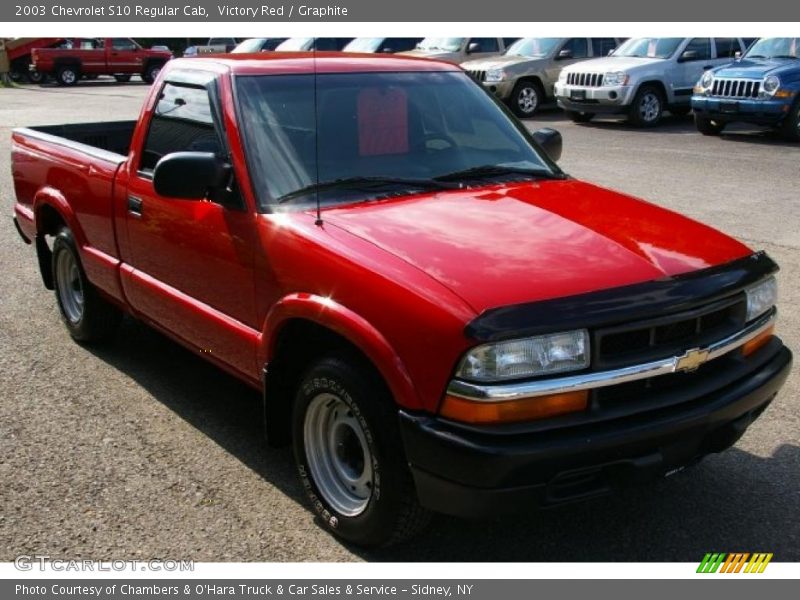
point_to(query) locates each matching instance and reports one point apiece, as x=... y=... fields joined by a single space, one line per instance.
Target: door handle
x=135 y=206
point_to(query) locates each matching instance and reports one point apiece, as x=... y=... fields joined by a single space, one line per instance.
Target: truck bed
x=114 y=137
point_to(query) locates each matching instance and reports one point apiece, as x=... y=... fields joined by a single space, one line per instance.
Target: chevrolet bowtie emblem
x=691 y=360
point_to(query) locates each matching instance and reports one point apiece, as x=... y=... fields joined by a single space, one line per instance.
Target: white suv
x=642 y=78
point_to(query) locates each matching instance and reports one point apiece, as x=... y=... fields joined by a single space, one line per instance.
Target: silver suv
x=642 y=78
x=524 y=76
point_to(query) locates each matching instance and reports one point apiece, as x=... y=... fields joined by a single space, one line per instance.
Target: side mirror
x=190 y=175
x=565 y=53
x=737 y=55
x=688 y=55
x=550 y=141
x=473 y=47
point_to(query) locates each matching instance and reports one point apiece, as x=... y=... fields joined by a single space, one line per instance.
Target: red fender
x=50 y=196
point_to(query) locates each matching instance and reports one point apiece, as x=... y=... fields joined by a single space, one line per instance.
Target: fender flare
x=49 y=197
x=348 y=324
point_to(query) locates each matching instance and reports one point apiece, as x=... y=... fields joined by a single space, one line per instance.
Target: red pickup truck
x=439 y=318
x=120 y=57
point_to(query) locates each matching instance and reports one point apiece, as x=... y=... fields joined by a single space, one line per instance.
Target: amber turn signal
x=757 y=342
x=513 y=411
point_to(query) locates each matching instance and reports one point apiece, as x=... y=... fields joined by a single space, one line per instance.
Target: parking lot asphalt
x=139 y=449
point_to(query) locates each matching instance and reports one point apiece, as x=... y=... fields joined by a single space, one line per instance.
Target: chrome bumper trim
x=495 y=392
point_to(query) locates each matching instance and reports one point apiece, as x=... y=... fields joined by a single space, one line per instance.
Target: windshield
x=649 y=47
x=775 y=48
x=441 y=43
x=252 y=45
x=294 y=44
x=533 y=47
x=364 y=45
x=374 y=127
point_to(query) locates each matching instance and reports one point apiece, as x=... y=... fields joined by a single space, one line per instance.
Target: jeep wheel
x=67 y=75
x=35 y=76
x=124 y=78
x=790 y=129
x=647 y=107
x=151 y=72
x=349 y=455
x=579 y=117
x=525 y=98
x=88 y=316
x=708 y=127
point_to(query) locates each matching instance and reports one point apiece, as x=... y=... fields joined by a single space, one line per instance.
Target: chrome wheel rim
x=338 y=455
x=650 y=107
x=68 y=76
x=527 y=100
x=70 y=287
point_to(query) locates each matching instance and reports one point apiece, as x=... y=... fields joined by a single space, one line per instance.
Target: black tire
x=97 y=319
x=35 y=77
x=151 y=71
x=526 y=98
x=647 y=107
x=579 y=117
x=125 y=78
x=790 y=128
x=680 y=111
x=68 y=75
x=391 y=512
x=707 y=126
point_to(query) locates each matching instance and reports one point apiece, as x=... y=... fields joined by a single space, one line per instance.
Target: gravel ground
x=140 y=449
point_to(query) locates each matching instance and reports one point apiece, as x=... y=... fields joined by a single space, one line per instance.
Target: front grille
x=585 y=79
x=667 y=336
x=479 y=76
x=735 y=88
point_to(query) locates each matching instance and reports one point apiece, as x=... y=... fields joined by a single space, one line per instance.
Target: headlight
x=615 y=78
x=771 y=84
x=495 y=75
x=761 y=297
x=562 y=76
x=707 y=79
x=527 y=357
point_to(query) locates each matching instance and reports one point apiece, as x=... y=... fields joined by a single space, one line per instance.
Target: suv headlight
x=707 y=79
x=615 y=78
x=562 y=76
x=761 y=297
x=494 y=75
x=771 y=84
x=526 y=357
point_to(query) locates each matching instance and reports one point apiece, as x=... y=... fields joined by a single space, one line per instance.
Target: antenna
x=318 y=222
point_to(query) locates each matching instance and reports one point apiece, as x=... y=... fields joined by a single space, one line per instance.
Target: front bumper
x=758 y=111
x=484 y=471
x=501 y=89
x=604 y=99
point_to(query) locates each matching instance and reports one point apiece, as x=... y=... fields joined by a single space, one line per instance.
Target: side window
x=508 y=41
x=602 y=46
x=485 y=44
x=182 y=122
x=398 y=44
x=122 y=44
x=727 y=47
x=325 y=44
x=579 y=47
x=700 y=45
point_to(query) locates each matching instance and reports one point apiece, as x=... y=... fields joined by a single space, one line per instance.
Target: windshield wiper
x=755 y=56
x=367 y=183
x=495 y=171
x=783 y=56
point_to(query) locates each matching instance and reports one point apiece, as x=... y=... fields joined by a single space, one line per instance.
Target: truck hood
x=757 y=69
x=498 y=62
x=612 y=63
x=524 y=242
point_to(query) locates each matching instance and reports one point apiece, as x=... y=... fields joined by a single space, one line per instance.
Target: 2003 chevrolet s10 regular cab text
x=460 y=327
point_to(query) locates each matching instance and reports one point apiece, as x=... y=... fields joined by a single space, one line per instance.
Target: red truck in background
x=19 y=55
x=120 y=57
x=438 y=317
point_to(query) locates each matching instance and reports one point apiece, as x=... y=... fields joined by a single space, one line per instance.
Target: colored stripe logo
x=736 y=562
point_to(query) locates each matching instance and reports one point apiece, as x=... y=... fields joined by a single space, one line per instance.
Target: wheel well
x=299 y=343
x=533 y=79
x=48 y=222
x=153 y=62
x=657 y=84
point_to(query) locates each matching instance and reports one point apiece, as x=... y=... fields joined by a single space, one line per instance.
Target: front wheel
x=708 y=126
x=67 y=75
x=526 y=98
x=87 y=315
x=349 y=455
x=647 y=107
x=151 y=72
x=579 y=117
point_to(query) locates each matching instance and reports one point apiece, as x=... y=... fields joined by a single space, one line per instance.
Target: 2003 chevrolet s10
x=440 y=319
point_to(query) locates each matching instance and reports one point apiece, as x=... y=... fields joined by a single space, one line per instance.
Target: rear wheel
x=791 y=125
x=647 y=107
x=708 y=126
x=122 y=78
x=87 y=315
x=526 y=98
x=35 y=76
x=68 y=75
x=579 y=117
x=349 y=455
